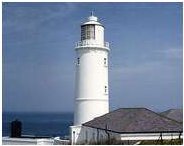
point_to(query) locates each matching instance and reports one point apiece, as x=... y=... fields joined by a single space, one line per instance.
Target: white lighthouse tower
x=91 y=85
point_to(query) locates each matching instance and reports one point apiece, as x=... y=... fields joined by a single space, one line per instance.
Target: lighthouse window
x=87 y=32
x=82 y=33
x=105 y=89
x=105 y=61
x=78 y=61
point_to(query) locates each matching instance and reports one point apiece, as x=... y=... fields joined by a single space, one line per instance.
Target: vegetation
x=162 y=142
x=114 y=141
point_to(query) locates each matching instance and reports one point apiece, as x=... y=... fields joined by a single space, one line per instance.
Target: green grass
x=113 y=141
x=163 y=142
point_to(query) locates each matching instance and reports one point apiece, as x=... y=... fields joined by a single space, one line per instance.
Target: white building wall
x=75 y=131
x=91 y=85
x=149 y=136
x=88 y=135
x=93 y=135
x=91 y=74
x=91 y=108
x=91 y=79
x=26 y=141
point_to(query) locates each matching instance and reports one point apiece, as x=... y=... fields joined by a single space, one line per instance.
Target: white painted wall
x=26 y=141
x=91 y=78
x=75 y=131
x=149 y=136
x=91 y=85
x=91 y=135
x=87 y=135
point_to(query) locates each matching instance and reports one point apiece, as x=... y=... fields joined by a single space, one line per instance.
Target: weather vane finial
x=92 y=13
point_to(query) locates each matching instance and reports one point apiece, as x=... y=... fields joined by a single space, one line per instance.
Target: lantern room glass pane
x=87 y=32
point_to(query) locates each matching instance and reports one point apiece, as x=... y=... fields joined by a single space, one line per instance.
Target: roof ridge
x=133 y=115
x=129 y=108
x=164 y=116
x=117 y=110
x=159 y=114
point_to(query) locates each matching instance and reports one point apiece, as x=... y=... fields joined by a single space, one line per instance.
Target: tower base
x=75 y=134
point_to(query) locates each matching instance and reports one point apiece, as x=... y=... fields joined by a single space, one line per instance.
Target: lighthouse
x=91 y=78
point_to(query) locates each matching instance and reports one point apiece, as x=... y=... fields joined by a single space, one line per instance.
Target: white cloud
x=150 y=71
x=172 y=53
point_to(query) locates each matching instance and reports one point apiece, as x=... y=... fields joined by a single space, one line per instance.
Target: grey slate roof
x=175 y=114
x=134 y=120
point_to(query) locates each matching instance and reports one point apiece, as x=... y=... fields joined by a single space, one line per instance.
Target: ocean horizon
x=39 y=123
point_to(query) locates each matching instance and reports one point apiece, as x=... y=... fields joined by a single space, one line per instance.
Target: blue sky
x=38 y=54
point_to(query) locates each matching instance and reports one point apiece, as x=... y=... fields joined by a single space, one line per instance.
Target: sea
x=39 y=124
